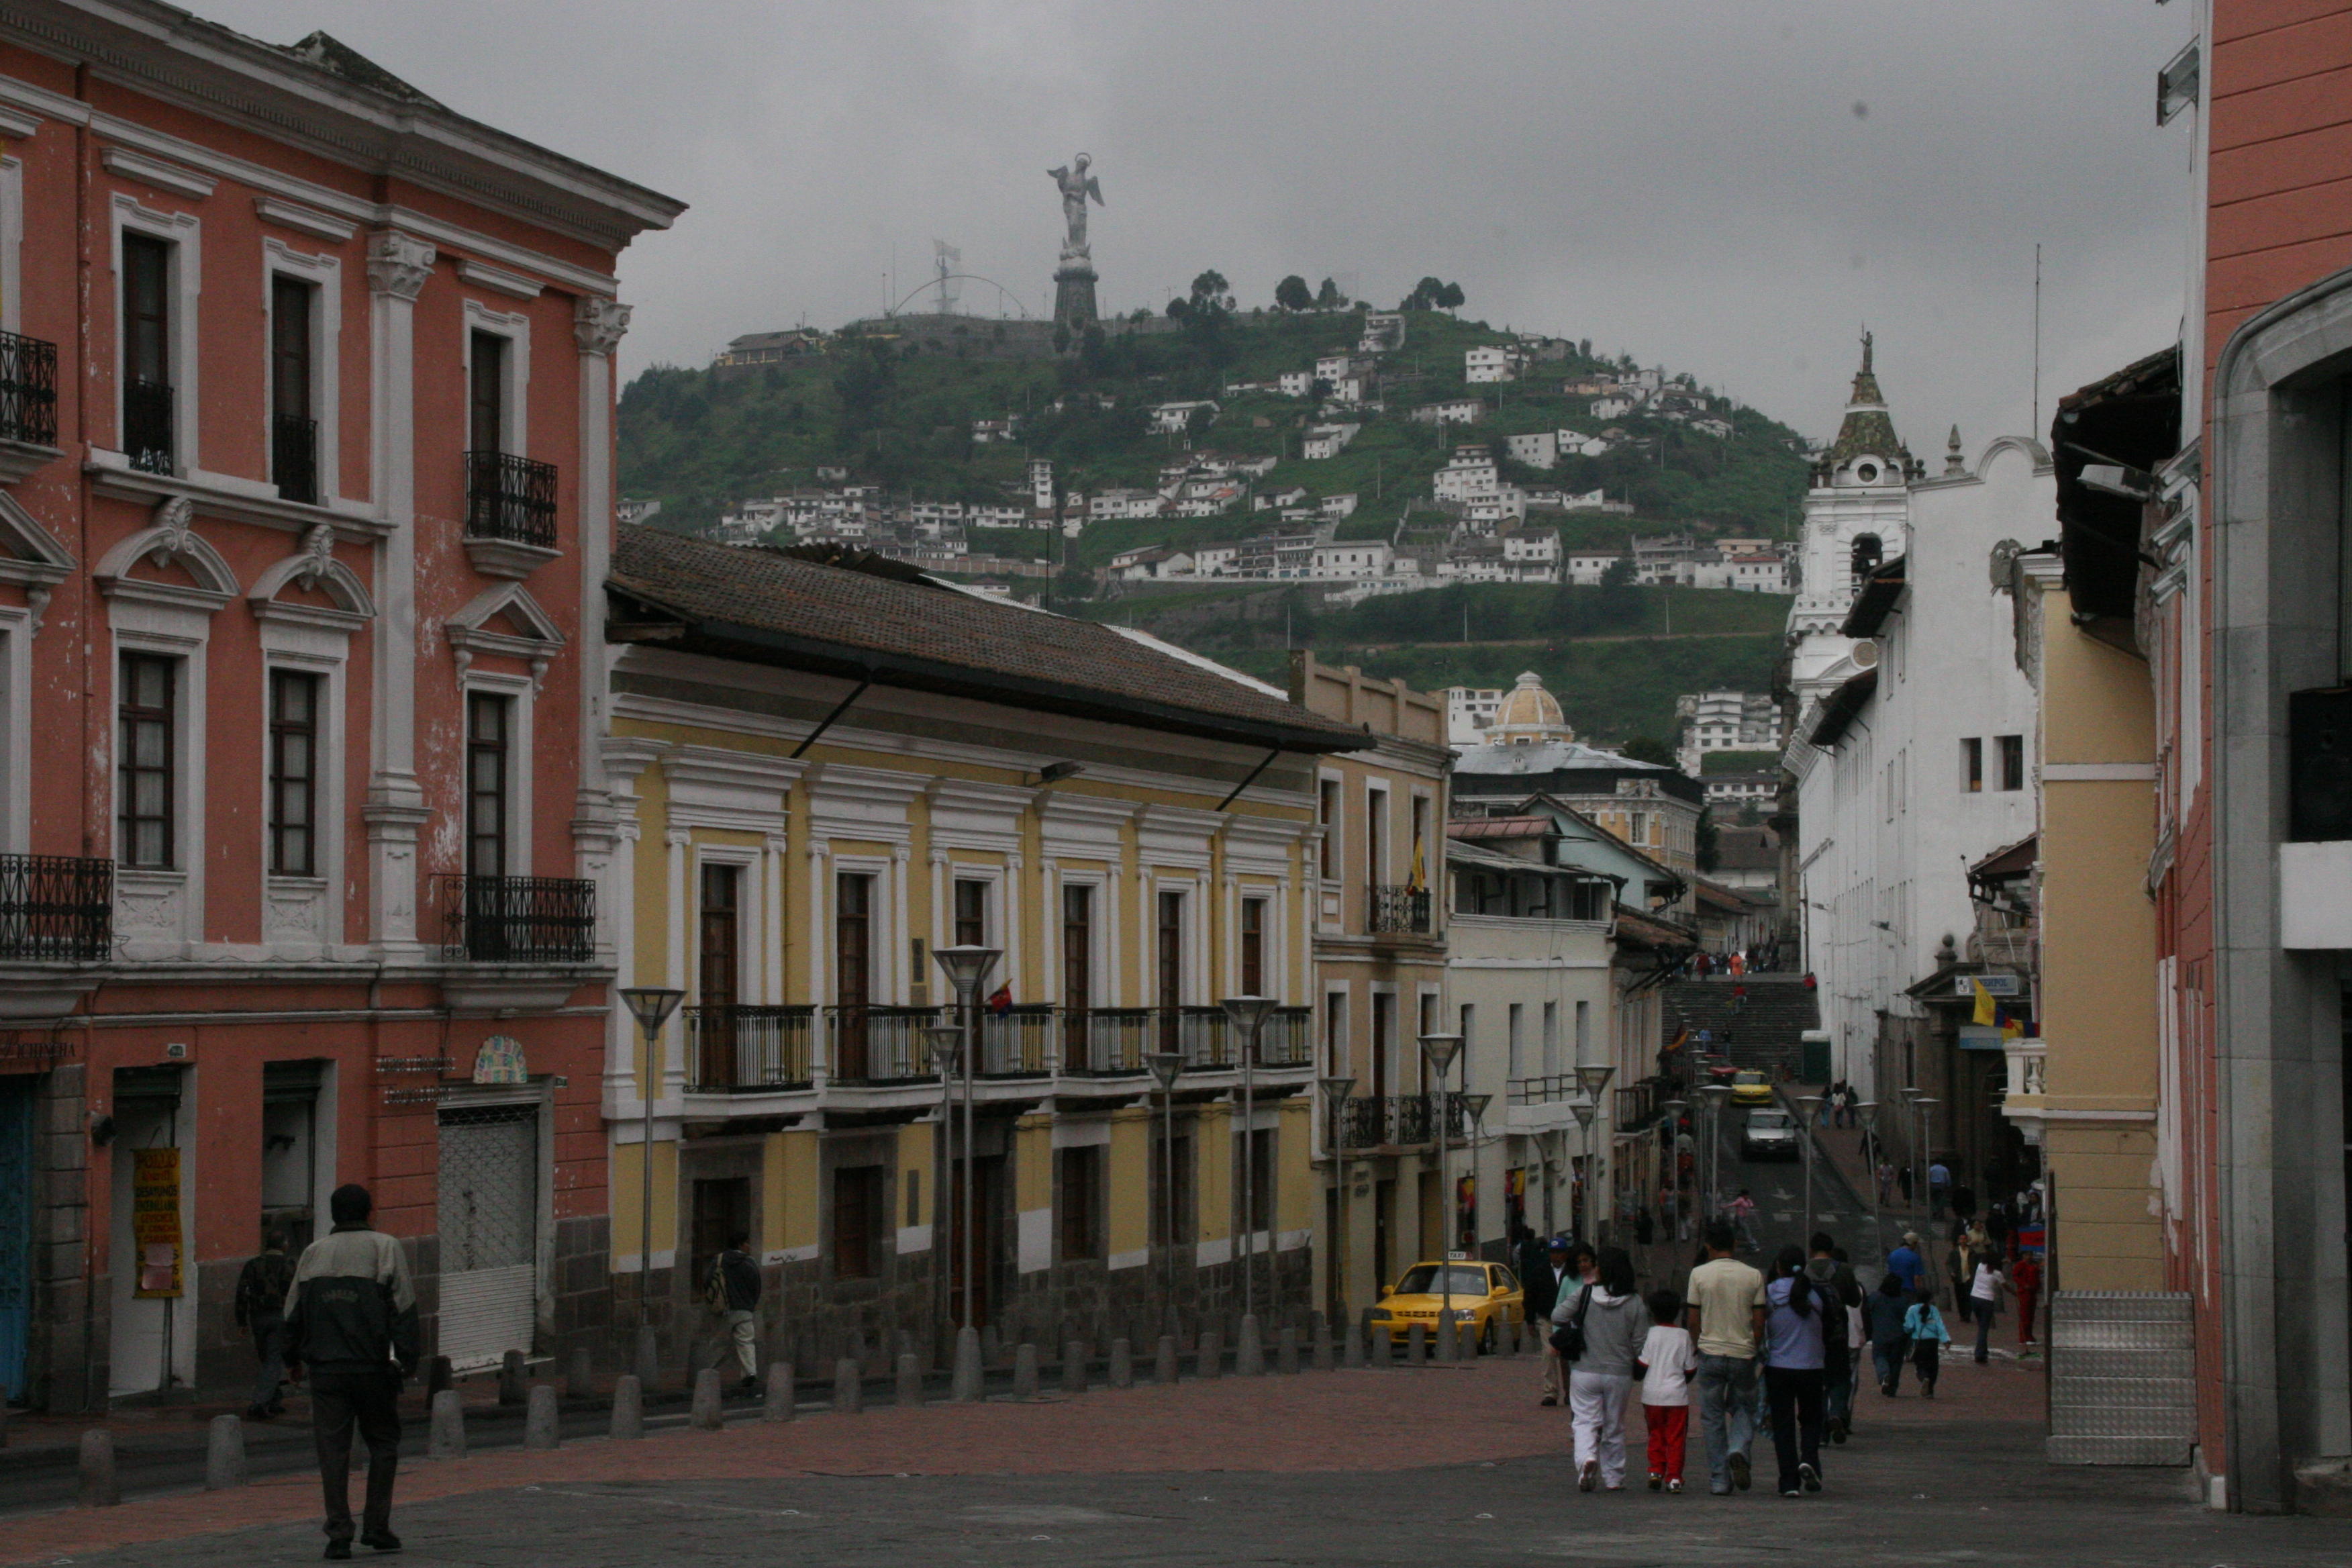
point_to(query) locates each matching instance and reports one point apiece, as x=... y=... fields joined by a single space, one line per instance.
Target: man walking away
x=2025 y=1279
x=1939 y=1181
x=1668 y=1360
x=1906 y=1264
x=261 y=1289
x=1985 y=1292
x=1833 y=1284
x=1542 y=1283
x=1726 y=1312
x=1924 y=1326
x=1742 y=1210
x=735 y=1289
x=1615 y=1323
x=350 y=1319
x=1890 y=1341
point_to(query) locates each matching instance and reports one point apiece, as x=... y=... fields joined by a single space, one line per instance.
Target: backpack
x=714 y=1289
x=1568 y=1338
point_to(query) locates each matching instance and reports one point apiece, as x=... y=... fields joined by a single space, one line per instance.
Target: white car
x=1769 y=1135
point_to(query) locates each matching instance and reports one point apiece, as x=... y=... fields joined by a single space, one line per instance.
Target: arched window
x=1867 y=554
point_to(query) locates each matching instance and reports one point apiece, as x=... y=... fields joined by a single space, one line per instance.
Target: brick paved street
x=1353 y=1468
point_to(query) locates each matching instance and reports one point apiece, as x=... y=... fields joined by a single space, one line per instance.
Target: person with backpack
x=1795 y=1347
x=1602 y=1326
x=1923 y=1326
x=260 y=1307
x=1834 y=1283
x=1890 y=1339
x=1668 y=1360
x=733 y=1292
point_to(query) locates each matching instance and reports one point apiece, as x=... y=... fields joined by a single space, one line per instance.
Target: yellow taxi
x=1751 y=1088
x=1487 y=1301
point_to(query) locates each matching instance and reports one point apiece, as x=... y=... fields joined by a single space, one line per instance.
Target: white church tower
x=1857 y=515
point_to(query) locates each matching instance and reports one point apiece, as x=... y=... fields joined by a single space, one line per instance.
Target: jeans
x=1889 y=1354
x=1795 y=1394
x=271 y=1356
x=1984 y=1331
x=1927 y=1357
x=339 y=1401
x=1727 y=1412
x=1596 y=1400
x=1837 y=1392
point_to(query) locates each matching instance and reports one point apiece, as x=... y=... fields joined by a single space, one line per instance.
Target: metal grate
x=519 y=919
x=1400 y=908
x=147 y=436
x=294 y=458
x=509 y=498
x=745 y=1050
x=57 y=907
x=28 y=390
x=488 y=1216
x=2122 y=1378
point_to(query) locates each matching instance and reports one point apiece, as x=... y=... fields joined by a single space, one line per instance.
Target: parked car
x=1487 y=1301
x=1769 y=1135
x=1749 y=1086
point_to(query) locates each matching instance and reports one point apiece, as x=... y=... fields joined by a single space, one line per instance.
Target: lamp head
x=1337 y=1090
x=1584 y=1112
x=1674 y=1107
x=946 y=1044
x=1595 y=1078
x=968 y=968
x=1869 y=1109
x=1716 y=1093
x=1249 y=1014
x=1440 y=1050
x=1476 y=1105
x=1165 y=1066
x=651 y=1005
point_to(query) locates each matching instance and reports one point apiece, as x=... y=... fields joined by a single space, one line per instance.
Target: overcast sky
x=1731 y=188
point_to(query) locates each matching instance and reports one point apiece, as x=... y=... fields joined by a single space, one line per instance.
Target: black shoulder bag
x=1568 y=1338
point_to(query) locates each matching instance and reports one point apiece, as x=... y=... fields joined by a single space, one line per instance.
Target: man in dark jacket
x=350 y=1319
x=261 y=1290
x=735 y=1287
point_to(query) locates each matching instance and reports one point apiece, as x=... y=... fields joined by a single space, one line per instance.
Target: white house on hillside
x=1536 y=449
x=1490 y=364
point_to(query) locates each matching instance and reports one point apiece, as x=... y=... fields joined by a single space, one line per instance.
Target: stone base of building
x=1074 y=298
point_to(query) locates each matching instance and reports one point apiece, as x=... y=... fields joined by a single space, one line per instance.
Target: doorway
x=151 y=1346
x=290 y=1152
x=16 y=1101
x=723 y=1211
x=488 y=1216
x=987 y=1176
x=853 y=983
x=1384 y=1203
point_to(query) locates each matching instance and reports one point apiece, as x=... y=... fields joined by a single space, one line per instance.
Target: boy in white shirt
x=1668 y=1360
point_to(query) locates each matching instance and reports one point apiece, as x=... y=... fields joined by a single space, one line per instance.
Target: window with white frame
x=158 y=264
x=497 y=771
x=302 y=299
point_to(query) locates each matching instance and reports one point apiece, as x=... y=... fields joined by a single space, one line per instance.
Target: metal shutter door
x=490 y=1214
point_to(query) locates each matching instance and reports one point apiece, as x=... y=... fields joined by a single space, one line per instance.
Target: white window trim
x=1380 y=833
x=184 y=231
x=182 y=634
x=992 y=906
x=1275 y=948
x=522 y=688
x=515 y=327
x=16 y=729
x=751 y=917
x=320 y=652
x=324 y=274
x=1098 y=916
x=12 y=244
x=887 y=930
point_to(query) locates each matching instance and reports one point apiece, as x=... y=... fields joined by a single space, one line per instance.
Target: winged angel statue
x=1076 y=186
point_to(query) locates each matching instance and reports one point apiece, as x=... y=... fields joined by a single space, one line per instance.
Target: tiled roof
x=767 y=607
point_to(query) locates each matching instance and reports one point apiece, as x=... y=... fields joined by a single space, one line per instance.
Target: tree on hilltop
x=1432 y=294
x=1291 y=294
x=1328 y=298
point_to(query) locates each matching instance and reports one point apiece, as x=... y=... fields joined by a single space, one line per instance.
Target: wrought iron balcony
x=747 y=1050
x=147 y=435
x=28 y=390
x=1375 y=1121
x=1544 y=1090
x=519 y=919
x=294 y=458
x=56 y=907
x=1399 y=908
x=880 y=1045
x=510 y=499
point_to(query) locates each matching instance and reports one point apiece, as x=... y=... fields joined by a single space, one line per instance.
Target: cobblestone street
x=1343 y=1468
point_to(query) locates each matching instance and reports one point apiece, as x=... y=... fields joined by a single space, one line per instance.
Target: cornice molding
x=497 y=281
x=303 y=220
x=152 y=172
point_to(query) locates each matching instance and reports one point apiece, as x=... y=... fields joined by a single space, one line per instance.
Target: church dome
x=1526 y=714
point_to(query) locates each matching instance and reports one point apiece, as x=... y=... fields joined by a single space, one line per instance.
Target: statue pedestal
x=1074 y=296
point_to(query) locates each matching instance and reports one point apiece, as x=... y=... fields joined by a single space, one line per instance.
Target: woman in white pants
x=1600 y=1379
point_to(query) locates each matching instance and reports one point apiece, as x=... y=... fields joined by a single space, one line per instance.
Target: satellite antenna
x=949 y=262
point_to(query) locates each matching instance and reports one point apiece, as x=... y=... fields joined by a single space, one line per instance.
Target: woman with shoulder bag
x=1601 y=1336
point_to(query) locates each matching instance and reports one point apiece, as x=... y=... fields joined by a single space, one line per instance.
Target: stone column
x=597 y=324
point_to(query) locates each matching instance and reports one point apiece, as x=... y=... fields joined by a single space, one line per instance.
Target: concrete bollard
x=648 y=1363
x=1285 y=1350
x=1208 y=1355
x=542 y=1421
x=1122 y=1365
x=628 y=1406
x=1073 y=1366
x=512 y=1389
x=911 y=1378
x=100 y=1487
x=1024 y=1372
x=1351 y=1347
x=991 y=1345
x=1417 y=1344
x=1249 y=1353
x=437 y=1377
x=964 y=1386
x=1507 y=1338
x=579 y=1377
x=1163 y=1363
x=224 y=1454
x=778 y=1405
x=1448 y=1346
x=848 y=1387
x=447 y=1438
x=1323 y=1350
x=707 y=1412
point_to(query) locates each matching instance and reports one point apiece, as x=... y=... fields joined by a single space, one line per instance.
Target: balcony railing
x=879 y=1044
x=519 y=919
x=510 y=497
x=56 y=907
x=28 y=390
x=747 y=1050
x=1108 y=1042
x=1400 y=908
x=147 y=439
x=1379 y=1120
x=294 y=458
x=1017 y=1042
x=1548 y=1089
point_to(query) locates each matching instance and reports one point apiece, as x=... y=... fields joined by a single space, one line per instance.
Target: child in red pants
x=1668 y=1362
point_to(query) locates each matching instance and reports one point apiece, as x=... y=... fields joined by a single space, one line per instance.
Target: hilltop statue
x=1076 y=186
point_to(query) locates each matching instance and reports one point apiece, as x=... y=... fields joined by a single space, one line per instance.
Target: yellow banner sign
x=155 y=1221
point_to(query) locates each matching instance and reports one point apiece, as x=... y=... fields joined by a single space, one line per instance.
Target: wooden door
x=853 y=954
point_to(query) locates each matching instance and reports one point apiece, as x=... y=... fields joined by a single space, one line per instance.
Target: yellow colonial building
x=829 y=772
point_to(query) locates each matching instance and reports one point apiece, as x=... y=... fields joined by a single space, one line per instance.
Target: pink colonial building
x=306 y=447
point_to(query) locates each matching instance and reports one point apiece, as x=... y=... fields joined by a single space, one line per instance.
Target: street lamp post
x=1716 y=1093
x=1926 y=1106
x=1475 y=1104
x=1868 y=1110
x=1584 y=1111
x=651 y=1005
x=1674 y=1110
x=968 y=967
x=1440 y=1051
x=1165 y=1066
x=1812 y=1104
x=1336 y=1092
x=947 y=1046
x=1593 y=1077
x=1249 y=1014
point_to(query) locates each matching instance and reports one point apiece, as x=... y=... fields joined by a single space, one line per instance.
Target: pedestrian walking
x=1836 y=1286
x=1906 y=1264
x=1725 y=1311
x=1958 y=1271
x=1984 y=1292
x=1890 y=1337
x=1609 y=1312
x=2025 y=1279
x=351 y=1322
x=1939 y=1183
x=261 y=1287
x=1669 y=1358
x=1885 y=1183
x=1925 y=1327
x=734 y=1291
x=1541 y=1285
x=1742 y=1210
x=1795 y=1346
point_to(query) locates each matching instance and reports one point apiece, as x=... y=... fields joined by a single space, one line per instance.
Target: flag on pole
x=1987 y=1012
